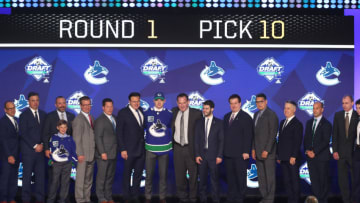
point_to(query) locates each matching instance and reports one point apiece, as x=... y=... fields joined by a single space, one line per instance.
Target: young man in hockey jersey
x=62 y=154
x=158 y=144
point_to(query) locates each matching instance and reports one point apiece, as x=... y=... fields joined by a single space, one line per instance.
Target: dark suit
x=214 y=150
x=30 y=135
x=344 y=146
x=289 y=144
x=319 y=165
x=238 y=137
x=50 y=125
x=356 y=167
x=265 y=140
x=9 y=137
x=131 y=139
x=105 y=142
x=184 y=157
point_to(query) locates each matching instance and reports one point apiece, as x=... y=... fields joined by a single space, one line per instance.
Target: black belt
x=357 y=146
x=185 y=145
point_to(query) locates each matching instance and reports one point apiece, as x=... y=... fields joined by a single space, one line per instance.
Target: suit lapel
x=11 y=123
x=133 y=116
x=86 y=119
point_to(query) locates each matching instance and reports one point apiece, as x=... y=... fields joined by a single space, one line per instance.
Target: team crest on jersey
x=154 y=69
x=60 y=154
x=212 y=75
x=252 y=176
x=271 y=70
x=73 y=102
x=307 y=101
x=250 y=106
x=96 y=74
x=55 y=143
x=38 y=68
x=20 y=104
x=196 y=100
x=158 y=129
x=328 y=75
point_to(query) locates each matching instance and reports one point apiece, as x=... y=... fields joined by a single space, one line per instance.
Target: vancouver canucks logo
x=212 y=75
x=154 y=69
x=157 y=129
x=20 y=104
x=251 y=176
x=307 y=101
x=304 y=173
x=96 y=74
x=328 y=75
x=196 y=100
x=60 y=154
x=72 y=101
x=144 y=105
x=271 y=69
x=38 y=68
x=250 y=106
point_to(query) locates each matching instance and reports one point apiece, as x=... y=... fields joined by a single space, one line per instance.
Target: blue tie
x=113 y=123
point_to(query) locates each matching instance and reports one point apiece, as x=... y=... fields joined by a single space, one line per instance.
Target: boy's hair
x=61 y=122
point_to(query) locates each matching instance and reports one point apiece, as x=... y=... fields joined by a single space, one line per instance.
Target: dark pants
x=150 y=164
x=105 y=179
x=236 y=173
x=319 y=177
x=344 y=169
x=184 y=162
x=356 y=170
x=209 y=165
x=33 y=162
x=9 y=179
x=60 y=173
x=136 y=163
x=266 y=178
x=291 y=180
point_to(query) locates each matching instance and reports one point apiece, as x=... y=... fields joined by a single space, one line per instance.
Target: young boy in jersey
x=63 y=155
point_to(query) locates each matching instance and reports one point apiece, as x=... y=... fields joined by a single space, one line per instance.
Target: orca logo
x=60 y=154
x=307 y=101
x=144 y=105
x=304 y=173
x=73 y=102
x=93 y=72
x=324 y=74
x=196 y=100
x=154 y=69
x=38 y=68
x=20 y=104
x=250 y=106
x=157 y=129
x=271 y=69
x=252 y=176
x=207 y=75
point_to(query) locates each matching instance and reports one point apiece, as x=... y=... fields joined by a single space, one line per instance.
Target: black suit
x=319 y=165
x=30 y=135
x=289 y=144
x=184 y=157
x=9 y=137
x=131 y=139
x=238 y=138
x=214 y=150
x=356 y=167
x=344 y=146
x=50 y=125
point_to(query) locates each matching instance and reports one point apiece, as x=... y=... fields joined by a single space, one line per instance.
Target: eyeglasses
x=10 y=108
x=260 y=101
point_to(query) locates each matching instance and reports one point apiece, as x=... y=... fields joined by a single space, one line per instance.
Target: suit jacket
x=194 y=115
x=344 y=146
x=30 y=131
x=290 y=139
x=84 y=137
x=9 y=139
x=265 y=133
x=50 y=124
x=215 y=139
x=238 y=135
x=129 y=133
x=105 y=137
x=320 y=145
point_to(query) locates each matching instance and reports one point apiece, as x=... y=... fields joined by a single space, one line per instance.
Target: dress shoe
x=162 y=201
x=3 y=202
x=12 y=201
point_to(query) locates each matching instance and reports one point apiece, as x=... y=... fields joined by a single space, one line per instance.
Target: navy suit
x=214 y=150
x=30 y=135
x=319 y=165
x=289 y=144
x=238 y=138
x=9 y=137
x=131 y=139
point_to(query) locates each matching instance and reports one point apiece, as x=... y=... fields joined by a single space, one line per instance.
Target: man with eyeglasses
x=264 y=147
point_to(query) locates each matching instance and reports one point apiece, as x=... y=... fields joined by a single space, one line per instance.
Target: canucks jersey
x=63 y=149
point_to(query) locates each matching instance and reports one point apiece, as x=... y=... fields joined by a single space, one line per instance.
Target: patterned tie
x=62 y=116
x=16 y=125
x=285 y=123
x=232 y=118
x=313 y=131
x=113 y=123
x=91 y=123
x=206 y=133
x=138 y=112
x=182 y=135
x=347 y=124
x=37 y=117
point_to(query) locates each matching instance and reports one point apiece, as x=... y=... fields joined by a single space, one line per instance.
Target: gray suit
x=106 y=142
x=84 y=138
x=265 y=133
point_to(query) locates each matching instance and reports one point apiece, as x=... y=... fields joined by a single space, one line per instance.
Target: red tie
x=91 y=123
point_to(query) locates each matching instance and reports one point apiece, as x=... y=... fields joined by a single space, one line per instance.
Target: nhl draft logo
x=38 y=68
x=208 y=75
x=250 y=106
x=73 y=102
x=271 y=69
x=154 y=69
x=96 y=74
x=304 y=173
x=196 y=100
x=252 y=176
x=328 y=75
x=20 y=104
x=307 y=101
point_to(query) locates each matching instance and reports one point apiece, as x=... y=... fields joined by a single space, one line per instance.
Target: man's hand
x=124 y=155
x=336 y=156
x=47 y=153
x=11 y=160
x=278 y=161
x=253 y=154
x=39 y=148
x=292 y=161
x=198 y=160
x=264 y=154
x=104 y=156
x=81 y=159
x=245 y=156
x=218 y=160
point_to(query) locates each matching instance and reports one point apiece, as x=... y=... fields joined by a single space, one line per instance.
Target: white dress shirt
x=137 y=115
x=177 y=126
x=61 y=113
x=37 y=112
x=208 y=127
x=12 y=119
x=111 y=118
